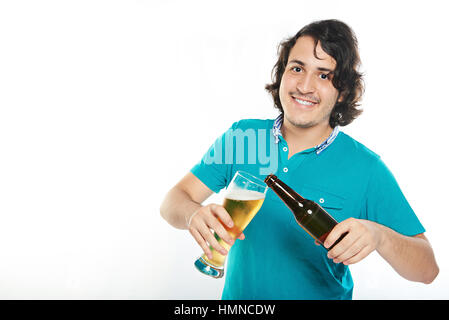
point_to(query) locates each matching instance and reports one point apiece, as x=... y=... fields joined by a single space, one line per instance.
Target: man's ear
x=341 y=96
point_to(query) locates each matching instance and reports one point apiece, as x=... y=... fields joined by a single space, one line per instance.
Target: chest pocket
x=329 y=201
x=324 y=198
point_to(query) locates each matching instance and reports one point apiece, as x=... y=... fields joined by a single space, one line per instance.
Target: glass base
x=208 y=269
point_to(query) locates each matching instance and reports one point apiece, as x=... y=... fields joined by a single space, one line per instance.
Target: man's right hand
x=207 y=218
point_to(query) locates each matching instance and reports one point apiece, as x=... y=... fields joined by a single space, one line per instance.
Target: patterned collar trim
x=318 y=149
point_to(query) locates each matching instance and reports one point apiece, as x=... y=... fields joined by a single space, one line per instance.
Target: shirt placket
x=288 y=166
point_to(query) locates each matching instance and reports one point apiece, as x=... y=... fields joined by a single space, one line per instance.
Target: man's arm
x=182 y=209
x=183 y=200
x=411 y=257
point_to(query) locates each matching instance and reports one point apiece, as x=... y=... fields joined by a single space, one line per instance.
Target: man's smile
x=303 y=102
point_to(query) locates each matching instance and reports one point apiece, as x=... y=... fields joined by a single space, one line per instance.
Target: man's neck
x=300 y=139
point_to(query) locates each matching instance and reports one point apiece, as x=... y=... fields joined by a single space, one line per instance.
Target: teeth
x=306 y=103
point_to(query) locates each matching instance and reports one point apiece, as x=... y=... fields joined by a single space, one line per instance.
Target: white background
x=105 y=105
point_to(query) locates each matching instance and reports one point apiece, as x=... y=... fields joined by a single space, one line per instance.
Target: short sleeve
x=387 y=205
x=213 y=169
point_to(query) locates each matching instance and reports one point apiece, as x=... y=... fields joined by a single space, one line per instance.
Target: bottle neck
x=282 y=190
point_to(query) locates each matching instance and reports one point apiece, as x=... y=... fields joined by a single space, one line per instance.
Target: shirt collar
x=318 y=148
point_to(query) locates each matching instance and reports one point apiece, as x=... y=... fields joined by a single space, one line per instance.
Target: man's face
x=306 y=91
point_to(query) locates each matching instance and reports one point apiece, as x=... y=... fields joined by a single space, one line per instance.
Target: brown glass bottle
x=309 y=215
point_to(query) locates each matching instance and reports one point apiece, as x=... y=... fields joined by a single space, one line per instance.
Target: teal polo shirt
x=278 y=259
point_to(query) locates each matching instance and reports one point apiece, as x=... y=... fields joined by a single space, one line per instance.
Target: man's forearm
x=411 y=257
x=178 y=207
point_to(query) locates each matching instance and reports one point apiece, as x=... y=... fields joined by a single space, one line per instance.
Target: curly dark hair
x=337 y=40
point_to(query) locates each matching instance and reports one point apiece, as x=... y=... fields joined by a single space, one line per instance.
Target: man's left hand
x=363 y=237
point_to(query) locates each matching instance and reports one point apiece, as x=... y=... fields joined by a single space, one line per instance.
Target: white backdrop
x=105 y=105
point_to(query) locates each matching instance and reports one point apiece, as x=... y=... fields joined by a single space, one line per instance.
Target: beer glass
x=243 y=198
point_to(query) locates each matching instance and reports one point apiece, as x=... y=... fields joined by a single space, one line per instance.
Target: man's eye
x=324 y=76
x=297 y=69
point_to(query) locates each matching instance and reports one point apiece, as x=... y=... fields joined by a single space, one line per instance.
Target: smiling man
x=307 y=94
x=317 y=88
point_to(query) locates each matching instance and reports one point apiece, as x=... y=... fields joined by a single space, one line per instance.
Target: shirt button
x=321 y=200
x=285 y=169
x=285 y=148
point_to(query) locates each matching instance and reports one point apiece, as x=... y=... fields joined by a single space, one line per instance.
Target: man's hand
x=363 y=237
x=206 y=218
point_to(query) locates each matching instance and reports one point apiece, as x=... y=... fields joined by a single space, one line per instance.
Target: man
x=316 y=87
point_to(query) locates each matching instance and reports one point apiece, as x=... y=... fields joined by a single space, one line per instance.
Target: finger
x=215 y=225
x=210 y=238
x=222 y=214
x=353 y=250
x=343 y=248
x=337 y=231
x=359 y=256
x=241 y=236
x=200 y=240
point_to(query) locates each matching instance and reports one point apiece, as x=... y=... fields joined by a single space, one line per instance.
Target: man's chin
x=301 y=123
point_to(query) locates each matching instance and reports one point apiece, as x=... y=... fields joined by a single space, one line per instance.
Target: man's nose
x=306 y=84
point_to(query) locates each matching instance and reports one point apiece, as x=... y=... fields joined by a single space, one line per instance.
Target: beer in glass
x=243 y=199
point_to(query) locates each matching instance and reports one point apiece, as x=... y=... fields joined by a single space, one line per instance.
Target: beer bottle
x=309 y=215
